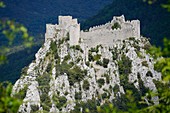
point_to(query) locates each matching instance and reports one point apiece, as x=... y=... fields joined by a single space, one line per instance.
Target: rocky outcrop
x=64 y=75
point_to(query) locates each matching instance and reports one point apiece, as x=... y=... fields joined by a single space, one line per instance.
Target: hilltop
x=75 y=70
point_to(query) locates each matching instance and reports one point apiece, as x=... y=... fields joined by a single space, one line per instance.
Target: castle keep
x=117 y=29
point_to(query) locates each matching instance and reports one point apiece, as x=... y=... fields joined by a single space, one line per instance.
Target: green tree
x=8 y=104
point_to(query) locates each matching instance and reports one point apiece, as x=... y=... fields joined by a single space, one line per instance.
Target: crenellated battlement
x=118 y=28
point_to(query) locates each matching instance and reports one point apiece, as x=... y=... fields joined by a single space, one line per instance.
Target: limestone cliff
x=75 y=66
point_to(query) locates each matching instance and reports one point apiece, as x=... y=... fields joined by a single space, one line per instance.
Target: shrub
x=116 y=26
x=8 y=103
x=53 y=46
x=22 y=93
x=43 y=80
x=24 y=71
x=90 y=56
x=132 y=38
x=78 y=95
x=107 y=78
x=104 y=95
x=100 y=82
x=96 y=50
x=144 y=63
x=90 y=105
x=116 y=88
x=86 y=85
x=67 y=37
x=49 y=67
x=105 y=62
x=61 y=41
x=54 y=49
x=77 y=47
x=88 y=63
x=114 y=55
x=61 y=102
x=75 y=74
x=149 y=74
x=98 y=62
x=125 y=65
x=34 y=108
x=45 y=101
x=97 y=57
x=67 y=57
x=147 y=46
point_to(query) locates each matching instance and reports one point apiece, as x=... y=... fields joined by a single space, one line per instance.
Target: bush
x=97 y=57
x=90 y=56
x=78 y=95
x=21 y=94
x=86 y=85
x=90 y=105
x=24 y=71
x=75 y=74
x=144 y=63
x=49 y=67
x=96 y=50
x=88 y=63
x=45 y=101
x=114 y=55
x=8 y=103
x=149 y=74
x=67 y=57
x=105 y=62
x=59 y=101
x=67 y=38
x=107 y=78
x=125 y=65
x=116 y=26
x=116 y=88
x=53 y=46
x=43 y=80
x=34 y=108
x=98 y=62
x=104 y=95
x=77 y=47
x=100 y=82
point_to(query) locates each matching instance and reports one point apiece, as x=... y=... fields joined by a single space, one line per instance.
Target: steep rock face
x=63 y=75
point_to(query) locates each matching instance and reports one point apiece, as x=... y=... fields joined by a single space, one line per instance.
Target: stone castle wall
x=66 y=25
x=103 y=34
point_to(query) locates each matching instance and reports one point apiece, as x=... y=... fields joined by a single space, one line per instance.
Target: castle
x=117 y=29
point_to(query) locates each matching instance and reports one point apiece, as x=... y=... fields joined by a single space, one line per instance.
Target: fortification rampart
x=117 y=29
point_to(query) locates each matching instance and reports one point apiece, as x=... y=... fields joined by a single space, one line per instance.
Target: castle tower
x=136 y=26
x=72 y=27
x=74 y=33
x=50 y=32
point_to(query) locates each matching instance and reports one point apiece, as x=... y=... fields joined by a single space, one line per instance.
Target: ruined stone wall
x=74 y=34
x=105 y=35
x=66 y=26
x=102 y=34
x=50 y=31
